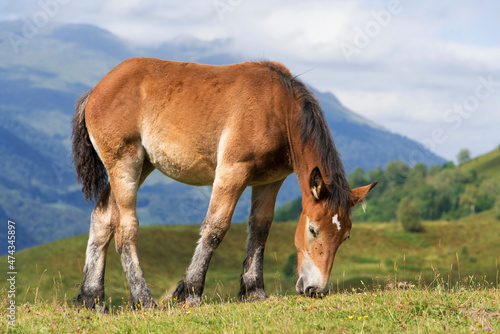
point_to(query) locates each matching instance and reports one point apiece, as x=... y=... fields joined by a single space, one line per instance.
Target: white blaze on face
x=335 y=221
x=311 y=276
x=309 y=270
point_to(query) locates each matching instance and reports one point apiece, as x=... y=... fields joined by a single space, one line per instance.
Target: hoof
x=145 y=304
x=182 y=295
x=250 y=296
x=92 y=303
x=143 y=301
x=193 y=300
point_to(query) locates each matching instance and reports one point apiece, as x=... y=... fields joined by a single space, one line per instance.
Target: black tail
x=90 y=170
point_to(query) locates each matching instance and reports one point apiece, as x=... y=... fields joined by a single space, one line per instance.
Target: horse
x=232 y=126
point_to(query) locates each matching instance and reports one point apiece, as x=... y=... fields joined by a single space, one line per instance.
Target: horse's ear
x=316 y=183
x=358 y=194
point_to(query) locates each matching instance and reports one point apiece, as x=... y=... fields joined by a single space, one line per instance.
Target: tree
x=396 y=172
x=357 y=178
x=487 y=194
x=289 y=212
x=469 y=198
x=497 y=209
x=416 y=176
x=407 y=214
x=463 y=156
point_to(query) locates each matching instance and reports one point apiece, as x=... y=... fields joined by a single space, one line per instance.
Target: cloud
x=413 y=59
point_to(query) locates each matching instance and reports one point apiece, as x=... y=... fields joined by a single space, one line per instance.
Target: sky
x=427 y=69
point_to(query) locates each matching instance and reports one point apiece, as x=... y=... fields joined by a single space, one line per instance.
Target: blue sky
x=429 y=70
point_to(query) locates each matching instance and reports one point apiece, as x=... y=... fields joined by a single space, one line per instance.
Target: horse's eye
x=313 y=231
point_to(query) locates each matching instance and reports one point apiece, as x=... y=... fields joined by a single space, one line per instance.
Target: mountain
x=42 y=75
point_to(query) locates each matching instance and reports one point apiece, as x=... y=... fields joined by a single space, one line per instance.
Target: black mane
x=314 y=131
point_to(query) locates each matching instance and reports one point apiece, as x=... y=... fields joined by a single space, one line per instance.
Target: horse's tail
x=90 y=170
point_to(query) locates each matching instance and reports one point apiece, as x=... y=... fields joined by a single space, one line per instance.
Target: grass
x=418 y=309
x=486 y=164
x=445 y=278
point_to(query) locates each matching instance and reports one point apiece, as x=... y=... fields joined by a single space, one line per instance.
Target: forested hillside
x=440 y=192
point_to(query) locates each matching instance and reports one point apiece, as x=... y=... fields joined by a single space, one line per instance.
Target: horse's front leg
x=227 y=189
x=259 y=223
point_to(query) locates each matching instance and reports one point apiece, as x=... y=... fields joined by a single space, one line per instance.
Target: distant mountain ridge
x=38 y=89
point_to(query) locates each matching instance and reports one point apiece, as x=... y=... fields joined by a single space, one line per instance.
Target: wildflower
x=359 y=318
x=486 y=328
x=472 y=328
x=353 y=311
x=230 y=324
x=350 y=317
x=365 y=316
x=78 y=328
x=338 y=307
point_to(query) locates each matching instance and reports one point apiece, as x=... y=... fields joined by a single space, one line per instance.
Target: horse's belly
x=181 y=164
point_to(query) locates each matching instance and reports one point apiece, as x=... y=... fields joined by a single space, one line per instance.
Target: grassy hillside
x=376 y=254
x=485 y=165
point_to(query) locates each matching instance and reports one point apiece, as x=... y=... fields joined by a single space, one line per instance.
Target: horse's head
x=320 y=231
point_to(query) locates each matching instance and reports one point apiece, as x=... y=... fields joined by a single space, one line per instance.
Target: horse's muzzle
x=310 y=290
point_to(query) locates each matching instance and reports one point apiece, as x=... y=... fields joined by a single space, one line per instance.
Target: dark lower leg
x=252 y=278
x=190 y=288
x=259 y=223
x=139 y=291
x=92 y=287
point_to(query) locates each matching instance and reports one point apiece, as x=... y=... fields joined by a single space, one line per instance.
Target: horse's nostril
x=310 y=291
x=299 y=287
x=313 y=292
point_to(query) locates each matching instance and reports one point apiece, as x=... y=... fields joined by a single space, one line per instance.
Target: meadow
x=383 y=280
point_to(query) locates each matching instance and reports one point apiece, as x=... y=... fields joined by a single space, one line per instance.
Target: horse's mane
x=314 y=131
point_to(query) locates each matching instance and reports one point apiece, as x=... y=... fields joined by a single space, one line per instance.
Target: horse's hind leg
x=126 y=177
x=259 y=223
x=101 y=231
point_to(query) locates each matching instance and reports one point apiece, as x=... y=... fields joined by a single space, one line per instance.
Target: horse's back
x=189 y=117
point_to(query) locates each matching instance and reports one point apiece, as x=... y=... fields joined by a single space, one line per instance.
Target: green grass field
x=446 y=277
x=417 y=310
x=486 y=165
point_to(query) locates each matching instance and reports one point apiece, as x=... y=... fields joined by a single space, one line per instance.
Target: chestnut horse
x=249 y=124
